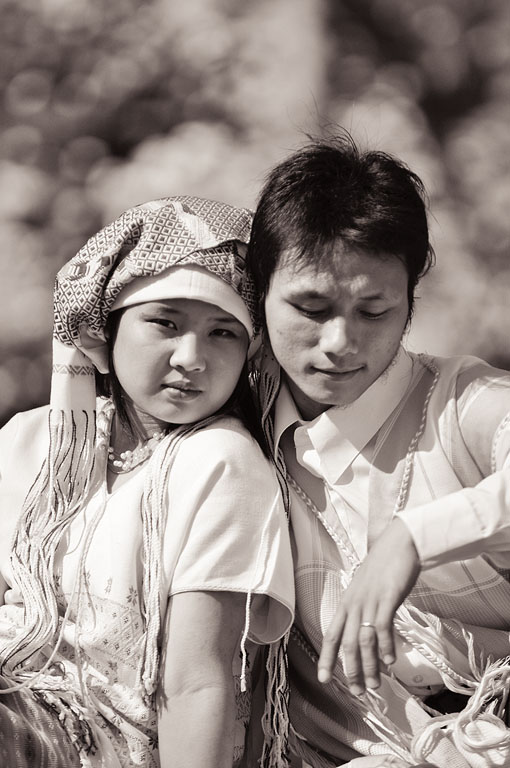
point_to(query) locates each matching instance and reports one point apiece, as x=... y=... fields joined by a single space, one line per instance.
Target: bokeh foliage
x=107 y=103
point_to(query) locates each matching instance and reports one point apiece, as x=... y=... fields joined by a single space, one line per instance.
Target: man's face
x=336 y=328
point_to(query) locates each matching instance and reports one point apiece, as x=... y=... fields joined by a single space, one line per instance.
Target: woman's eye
x=165 y=322
x=224 y=333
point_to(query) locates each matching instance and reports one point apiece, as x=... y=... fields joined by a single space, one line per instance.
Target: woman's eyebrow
x=226 y=319
x=217 y=318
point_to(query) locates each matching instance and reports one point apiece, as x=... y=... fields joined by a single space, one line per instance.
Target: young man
x=398 y=472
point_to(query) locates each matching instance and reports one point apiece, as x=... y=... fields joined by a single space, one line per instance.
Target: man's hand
x=377 y=761
x=363 y=623
x=384 y=761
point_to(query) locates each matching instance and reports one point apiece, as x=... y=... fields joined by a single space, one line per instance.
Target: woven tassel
x=154 y=517
x=424 y=632
x=275 y=720
x=244 y=655
x=478 y=732
x=50 y=506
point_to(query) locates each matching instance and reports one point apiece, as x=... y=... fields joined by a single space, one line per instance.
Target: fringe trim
x=154 y=518
x=275 y=720
x=479 y=731
x=49 y=508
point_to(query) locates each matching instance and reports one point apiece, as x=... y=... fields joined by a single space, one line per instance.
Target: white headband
x=186 y=282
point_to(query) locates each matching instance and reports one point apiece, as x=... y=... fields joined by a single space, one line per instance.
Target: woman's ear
x=95 y=348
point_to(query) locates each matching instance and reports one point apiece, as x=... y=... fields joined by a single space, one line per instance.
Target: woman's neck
x=130 y=448
x=141 y=427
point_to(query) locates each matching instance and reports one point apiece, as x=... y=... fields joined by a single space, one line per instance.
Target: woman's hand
x=363 y=622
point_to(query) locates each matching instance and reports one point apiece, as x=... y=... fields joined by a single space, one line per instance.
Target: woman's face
x=178 y=360
x=336 y=328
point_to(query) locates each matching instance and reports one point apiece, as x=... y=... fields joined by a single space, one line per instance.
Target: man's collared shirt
x=341 y=446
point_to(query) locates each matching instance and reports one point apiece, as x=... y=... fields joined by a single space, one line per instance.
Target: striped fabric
x=458 y=614
x=31 y=735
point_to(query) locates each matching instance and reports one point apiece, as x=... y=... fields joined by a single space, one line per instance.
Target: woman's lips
x=181 y=391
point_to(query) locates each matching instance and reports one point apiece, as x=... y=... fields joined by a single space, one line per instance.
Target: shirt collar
x=285 y=413
x=329 y=444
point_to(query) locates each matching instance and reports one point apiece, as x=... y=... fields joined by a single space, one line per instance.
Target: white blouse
x=226 y=530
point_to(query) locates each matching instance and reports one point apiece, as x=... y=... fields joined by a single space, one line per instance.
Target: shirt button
x=418 y=679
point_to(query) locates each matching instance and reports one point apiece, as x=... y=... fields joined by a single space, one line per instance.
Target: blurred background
x=107 y=103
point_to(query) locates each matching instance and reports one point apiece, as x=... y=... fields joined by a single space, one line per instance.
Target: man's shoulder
x=461 y=373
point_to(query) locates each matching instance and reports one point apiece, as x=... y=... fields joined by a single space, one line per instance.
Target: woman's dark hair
x=240 y=402
x=330 y=190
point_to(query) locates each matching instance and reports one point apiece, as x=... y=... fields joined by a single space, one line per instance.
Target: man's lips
x=339 y=372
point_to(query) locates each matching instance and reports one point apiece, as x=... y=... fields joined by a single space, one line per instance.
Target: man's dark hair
x=329 y=190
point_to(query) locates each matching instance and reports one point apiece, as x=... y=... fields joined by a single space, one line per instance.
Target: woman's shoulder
x=25 y=423
x=227 y=433
x=23 y=444
x=224 y=440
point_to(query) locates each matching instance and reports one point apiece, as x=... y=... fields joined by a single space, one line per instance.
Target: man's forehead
x=340 y=272
x=332 y=264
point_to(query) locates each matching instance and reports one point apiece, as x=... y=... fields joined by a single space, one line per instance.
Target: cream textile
x=465 y=440
x=222 y=495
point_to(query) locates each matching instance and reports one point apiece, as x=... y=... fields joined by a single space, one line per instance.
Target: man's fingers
x=330 y=645
x=368 y=643
x=386 y=643
x=365 y=642
x=352 y=659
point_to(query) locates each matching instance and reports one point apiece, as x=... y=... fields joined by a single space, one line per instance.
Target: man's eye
x=373 y=315
x=310 y=311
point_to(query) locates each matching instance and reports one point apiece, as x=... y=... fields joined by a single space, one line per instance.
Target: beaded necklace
x=128 y=460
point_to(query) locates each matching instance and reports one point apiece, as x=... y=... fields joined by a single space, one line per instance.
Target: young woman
x=144 y=549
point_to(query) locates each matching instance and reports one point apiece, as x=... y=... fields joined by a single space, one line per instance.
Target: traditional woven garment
x=143 y=242
x=457 y=616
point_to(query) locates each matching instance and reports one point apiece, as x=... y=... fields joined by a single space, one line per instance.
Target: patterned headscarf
x=143 y=242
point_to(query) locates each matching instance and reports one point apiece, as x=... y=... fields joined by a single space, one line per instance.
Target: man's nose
x=337 y=337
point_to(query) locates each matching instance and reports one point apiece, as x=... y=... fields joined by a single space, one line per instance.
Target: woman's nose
x=188 y=353
x=337 y=337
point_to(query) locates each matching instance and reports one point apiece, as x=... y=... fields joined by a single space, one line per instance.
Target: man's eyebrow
x=374 y=297
x=306 y=293
x=296 y=293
